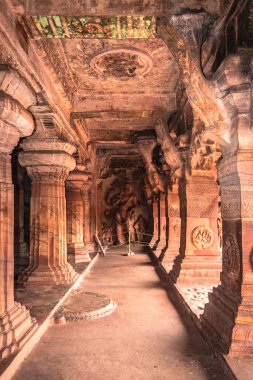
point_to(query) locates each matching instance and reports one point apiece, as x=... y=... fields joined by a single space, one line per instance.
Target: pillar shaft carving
x=48 y=163
x=16 y=324
x=76 y=248
x=228 y=318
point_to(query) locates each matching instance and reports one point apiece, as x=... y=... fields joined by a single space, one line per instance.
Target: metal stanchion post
x=130 y=253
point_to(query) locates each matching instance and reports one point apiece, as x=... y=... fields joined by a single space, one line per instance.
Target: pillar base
x=226 y=325
x=169 y=259
x=90 y=247
x=161 y=246
x=154 y=242
x=44 y=275
x=16 y=327
x=78 y=254
x=200 y=270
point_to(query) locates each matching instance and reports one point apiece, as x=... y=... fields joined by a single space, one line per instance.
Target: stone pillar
x=77 y=251
x=48 y=162
x=21 y=251
x=88 y=238
x=201 y=262
x=162 y=226
x=228 y=317
x=174 y=227
x=16 y=324
x=156 y=223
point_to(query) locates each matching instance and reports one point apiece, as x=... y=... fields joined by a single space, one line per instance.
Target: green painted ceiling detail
x=118 y=27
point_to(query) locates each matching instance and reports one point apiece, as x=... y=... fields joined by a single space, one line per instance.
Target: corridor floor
x=144 y=338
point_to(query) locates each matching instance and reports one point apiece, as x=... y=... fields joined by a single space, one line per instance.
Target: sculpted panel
x=202 y=237
x=231 y=257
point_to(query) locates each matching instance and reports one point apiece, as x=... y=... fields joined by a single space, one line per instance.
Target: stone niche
x=125 y=207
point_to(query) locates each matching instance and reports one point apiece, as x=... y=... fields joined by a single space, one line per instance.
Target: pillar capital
x=77 y=179
x=15 y=122
x=47 y=157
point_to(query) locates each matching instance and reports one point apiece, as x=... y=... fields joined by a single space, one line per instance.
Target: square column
x=87 y=235
x=162 y=226
x=77 y=251
x=48 y=162
x=201 y=261
x=228 y=317
x=156 y=223
x=174 y=227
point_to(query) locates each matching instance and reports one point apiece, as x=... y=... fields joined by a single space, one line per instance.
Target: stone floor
x=144 y=338
x=40 y=300
x=196 y=297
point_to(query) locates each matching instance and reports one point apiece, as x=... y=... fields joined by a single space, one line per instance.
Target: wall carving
x=202 y=237
x=126 y=208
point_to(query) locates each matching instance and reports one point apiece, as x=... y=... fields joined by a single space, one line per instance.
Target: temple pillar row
x=16 y=324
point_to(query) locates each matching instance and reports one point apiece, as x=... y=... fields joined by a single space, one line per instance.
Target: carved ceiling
x=100 y=74
x=106 y=62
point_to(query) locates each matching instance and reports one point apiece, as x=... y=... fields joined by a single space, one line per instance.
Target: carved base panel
x=78 y=254
x=200 y=270
x=45 y=275
x=218 y=320
x=16 y=326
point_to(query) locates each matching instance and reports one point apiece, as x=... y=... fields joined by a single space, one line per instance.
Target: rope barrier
x=129 y=242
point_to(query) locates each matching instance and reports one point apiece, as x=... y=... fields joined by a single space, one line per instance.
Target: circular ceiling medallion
x=122 y=64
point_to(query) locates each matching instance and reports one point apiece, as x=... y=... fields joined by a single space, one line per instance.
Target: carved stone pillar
x=201 y=263
x=162 y=226
x=228 y=317
x=156 y=223
x=77 y=251
x=48 y=162
x=16 y=324
x=174 y=227
x=88 y=239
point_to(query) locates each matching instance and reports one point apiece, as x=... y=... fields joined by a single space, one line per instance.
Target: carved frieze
x=173 y=211
x=202 y=237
